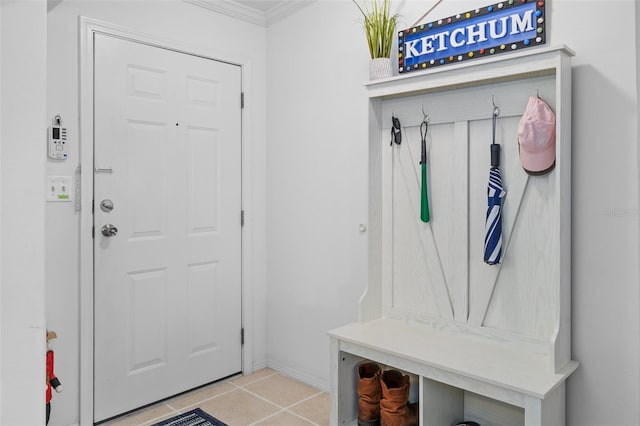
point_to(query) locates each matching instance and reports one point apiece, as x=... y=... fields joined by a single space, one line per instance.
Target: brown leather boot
x=369 y=394
x=394 y=407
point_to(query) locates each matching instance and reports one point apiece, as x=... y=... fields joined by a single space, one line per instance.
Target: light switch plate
x=59 y=188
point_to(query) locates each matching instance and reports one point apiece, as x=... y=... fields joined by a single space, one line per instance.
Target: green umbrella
x=425 y=216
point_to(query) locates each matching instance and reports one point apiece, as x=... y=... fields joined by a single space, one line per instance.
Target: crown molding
x=249 y=14
x=232 y=9
x=284 y=9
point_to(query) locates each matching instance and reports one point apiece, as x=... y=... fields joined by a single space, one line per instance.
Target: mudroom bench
x=484 y=343
x=454 y=372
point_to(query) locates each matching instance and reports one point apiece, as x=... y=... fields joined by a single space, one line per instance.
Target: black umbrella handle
x=495 y=155
x=495 y=148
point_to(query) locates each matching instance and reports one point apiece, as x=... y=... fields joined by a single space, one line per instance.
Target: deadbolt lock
x=106 y=205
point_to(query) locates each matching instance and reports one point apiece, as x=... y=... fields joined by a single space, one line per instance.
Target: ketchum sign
x=502 y=27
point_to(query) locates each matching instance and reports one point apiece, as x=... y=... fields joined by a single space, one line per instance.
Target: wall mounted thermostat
x=58 y=148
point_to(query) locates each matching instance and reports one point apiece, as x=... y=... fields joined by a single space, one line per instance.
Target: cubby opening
x=349 y=378
x=487 y=411
x=439 y=404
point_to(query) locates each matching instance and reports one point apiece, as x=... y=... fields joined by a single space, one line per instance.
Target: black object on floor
x=195 y=417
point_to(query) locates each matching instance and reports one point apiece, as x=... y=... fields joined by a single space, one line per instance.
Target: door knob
x=109 y=230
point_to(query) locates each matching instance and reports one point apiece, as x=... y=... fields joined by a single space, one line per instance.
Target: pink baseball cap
x=537 y=137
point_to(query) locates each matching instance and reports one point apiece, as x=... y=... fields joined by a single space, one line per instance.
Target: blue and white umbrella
x=495 y=194
x=493 y=228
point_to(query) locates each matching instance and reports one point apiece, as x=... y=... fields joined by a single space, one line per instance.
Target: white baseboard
x=316 y=382
x=259 y=365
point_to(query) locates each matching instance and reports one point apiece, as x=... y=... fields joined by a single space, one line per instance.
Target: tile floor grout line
x=206 y=399
x=302 y=417
x=175 y=410
x=146 y=422
x=267 y=417
x=277 y=405
x=150 y=422
x=233 y=384
x=303 y=400
x=285 y=408
x=236 y=387
x=256 y=381
x=157 y=419
x=160 y=418
x=240 y=388
x=263 y=398
x=230 y=382
x=194 y=405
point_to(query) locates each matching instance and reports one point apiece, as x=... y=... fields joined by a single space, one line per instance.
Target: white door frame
x=88 y=27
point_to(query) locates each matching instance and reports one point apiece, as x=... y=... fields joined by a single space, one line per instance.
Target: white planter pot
x=380 y=68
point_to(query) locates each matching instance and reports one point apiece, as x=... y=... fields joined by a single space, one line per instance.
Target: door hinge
x=242 y=336
x=93 y=232
x=241 y=217
x=241 y=99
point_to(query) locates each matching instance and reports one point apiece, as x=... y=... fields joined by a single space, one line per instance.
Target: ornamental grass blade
x=379 y=27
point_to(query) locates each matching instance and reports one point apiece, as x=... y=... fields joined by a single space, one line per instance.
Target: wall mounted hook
x=496 y=109
x=425 y=116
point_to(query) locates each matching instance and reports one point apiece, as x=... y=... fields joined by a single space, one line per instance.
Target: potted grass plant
x=379 y=25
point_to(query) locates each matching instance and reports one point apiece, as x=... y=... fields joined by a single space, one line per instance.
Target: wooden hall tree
x=490 y=343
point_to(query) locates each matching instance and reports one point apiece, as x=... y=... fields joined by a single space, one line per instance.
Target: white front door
x=167 y=178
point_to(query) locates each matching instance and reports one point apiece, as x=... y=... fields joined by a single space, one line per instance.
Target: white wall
x=605 y=233
x=316 y=184
x=316 y=190
x=185 y=24
x=22 y=212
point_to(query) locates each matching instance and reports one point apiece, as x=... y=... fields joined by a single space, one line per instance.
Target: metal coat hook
x=538 y=93
x=425 y=116
x=495 y=148
x=496 y=109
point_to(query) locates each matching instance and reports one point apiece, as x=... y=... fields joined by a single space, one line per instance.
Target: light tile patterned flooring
x=265 y=397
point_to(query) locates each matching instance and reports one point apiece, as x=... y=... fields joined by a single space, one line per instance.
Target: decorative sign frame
x=506 y=26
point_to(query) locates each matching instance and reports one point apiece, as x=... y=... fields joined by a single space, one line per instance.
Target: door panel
x=168 y=285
